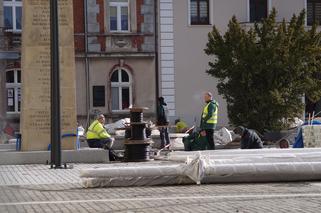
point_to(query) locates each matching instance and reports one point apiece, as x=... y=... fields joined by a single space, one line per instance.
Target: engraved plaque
x=35 y=111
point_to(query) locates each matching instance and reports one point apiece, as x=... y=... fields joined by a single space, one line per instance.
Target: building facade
x=128 y=52
x=10 y=69
x=115 y=58
x=183 y=30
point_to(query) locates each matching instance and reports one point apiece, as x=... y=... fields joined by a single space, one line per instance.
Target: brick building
x=115 y=58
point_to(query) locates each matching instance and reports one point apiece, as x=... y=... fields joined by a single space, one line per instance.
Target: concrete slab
x=11 y=146
x=43 y=157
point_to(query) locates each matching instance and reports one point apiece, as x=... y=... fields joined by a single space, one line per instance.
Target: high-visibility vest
x=213 y=119
x=97 y=131
x=180 y=126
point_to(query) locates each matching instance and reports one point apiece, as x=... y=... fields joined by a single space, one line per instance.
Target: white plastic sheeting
x=212 y=167
x=262 y=155
x=111 y=128
x=222 y=136
x=135 y=174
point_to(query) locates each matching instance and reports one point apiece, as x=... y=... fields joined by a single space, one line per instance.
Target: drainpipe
x=156 y=51
x=87 y=64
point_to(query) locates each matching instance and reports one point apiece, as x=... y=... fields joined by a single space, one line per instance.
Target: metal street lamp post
x=55 y=87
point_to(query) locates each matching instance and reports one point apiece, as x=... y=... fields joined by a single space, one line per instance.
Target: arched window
x=121 y=89
x=13 y=85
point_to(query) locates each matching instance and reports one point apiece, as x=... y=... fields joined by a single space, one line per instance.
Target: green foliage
x=263 y=72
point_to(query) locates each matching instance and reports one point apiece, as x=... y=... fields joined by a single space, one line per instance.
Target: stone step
x=6 y=146
x=43 y=157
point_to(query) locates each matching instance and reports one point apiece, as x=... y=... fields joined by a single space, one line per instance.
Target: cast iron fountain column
x=137 y=147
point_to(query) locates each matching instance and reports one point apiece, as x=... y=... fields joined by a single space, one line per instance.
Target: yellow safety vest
x=97 y=131
x=213 y=119
x=180 y=126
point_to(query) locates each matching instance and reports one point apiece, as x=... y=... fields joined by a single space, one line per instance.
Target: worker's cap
x=239 y=130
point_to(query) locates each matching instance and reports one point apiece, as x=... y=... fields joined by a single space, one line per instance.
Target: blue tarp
x=298 y=143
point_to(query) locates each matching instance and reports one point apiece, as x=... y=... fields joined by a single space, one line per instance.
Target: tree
x=265 y=71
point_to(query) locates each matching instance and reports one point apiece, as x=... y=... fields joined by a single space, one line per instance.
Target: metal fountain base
x=137 y=150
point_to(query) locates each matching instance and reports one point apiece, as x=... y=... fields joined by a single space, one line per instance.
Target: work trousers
x=100 y=143
x=210 y=139
x=163 y=131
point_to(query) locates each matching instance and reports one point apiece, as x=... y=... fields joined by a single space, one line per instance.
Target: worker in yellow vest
x=97 y=136
x=181 y=126
x=209 y=119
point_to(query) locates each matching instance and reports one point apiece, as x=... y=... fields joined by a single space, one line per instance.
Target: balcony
x=9 y=40
x=113 y=44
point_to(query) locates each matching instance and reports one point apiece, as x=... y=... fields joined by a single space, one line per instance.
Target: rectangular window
x=119 y=16
x=258 y=10
x=10 y=100
x=125 y=98
x=13 y=85
x=124 y=18
x=199 y=12
x=113 y=18
x=12 y=12
x=98 y=96
x=115 y=98
x=19 y=99
x=10 y=76
x=18 y=18
x=8 y=23
x=314 y=12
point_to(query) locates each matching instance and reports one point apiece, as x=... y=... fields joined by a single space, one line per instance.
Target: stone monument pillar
x=35 y=111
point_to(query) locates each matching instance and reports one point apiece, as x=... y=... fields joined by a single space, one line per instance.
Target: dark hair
x=162 y=101
x=239 y=130
x=100 y=115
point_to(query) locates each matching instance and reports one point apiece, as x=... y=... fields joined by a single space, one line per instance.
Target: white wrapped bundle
x=225 y=167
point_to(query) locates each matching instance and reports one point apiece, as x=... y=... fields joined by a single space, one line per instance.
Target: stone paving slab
x=85 y=155
x=204 y=198
x=35 y=174
x=36 y=188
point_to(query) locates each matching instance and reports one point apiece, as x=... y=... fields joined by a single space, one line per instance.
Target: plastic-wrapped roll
x=133 y=171
x=255 y=157
x=262 y=172
x=245 y=151
x=251 y=167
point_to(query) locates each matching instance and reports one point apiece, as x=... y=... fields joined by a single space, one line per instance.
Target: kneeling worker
x=97 y=136
x=249 y=138
x=181 y=126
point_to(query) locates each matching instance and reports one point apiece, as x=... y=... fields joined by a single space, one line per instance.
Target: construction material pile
x=218 y=166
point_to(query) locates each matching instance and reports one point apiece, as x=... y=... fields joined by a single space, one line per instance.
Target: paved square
x=36 y=188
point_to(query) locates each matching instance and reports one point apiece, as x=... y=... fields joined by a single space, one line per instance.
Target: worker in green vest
x=209 y=119
x=97 y=136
